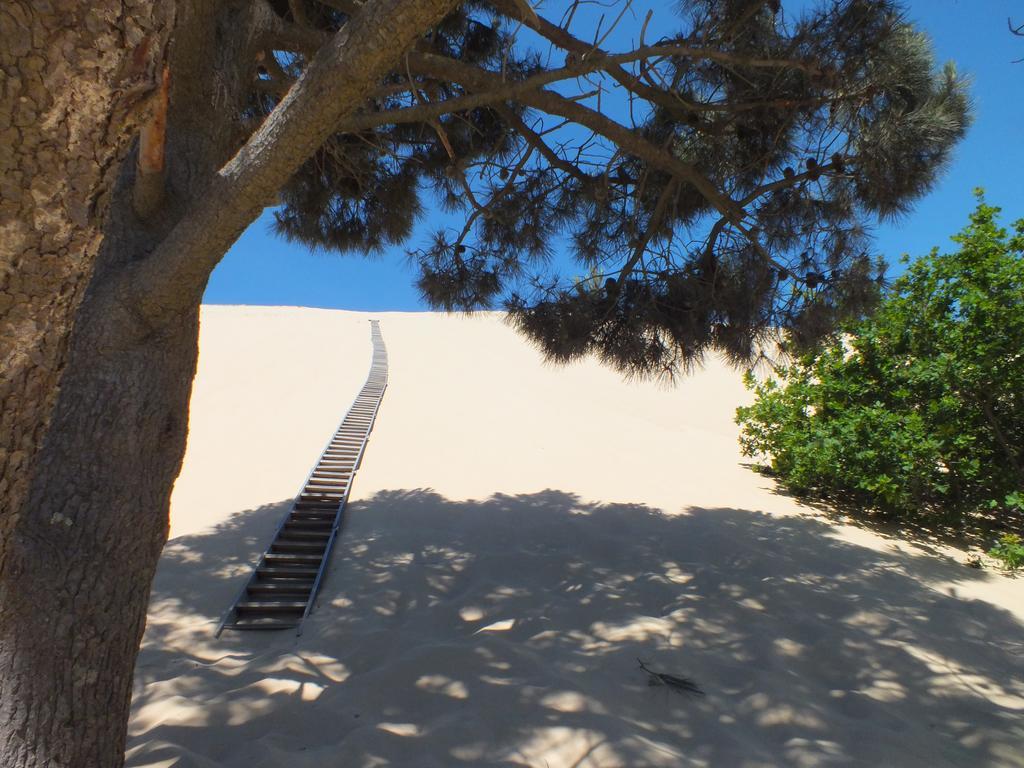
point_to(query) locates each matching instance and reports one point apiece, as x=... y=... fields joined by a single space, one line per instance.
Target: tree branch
x=652 y=225
x=555 y=104
x=791 y=181
x=298 y=12
x=565 y=40
x=485 y=209
x=498 y=90
x=349 y=7
x=282 y=35
x=339 y=78
x=583 y=50
x=540 y=145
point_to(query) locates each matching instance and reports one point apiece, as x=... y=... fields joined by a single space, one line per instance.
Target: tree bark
x=74 y=582
x=88 y=467
x=82 y=537
x=74 y=82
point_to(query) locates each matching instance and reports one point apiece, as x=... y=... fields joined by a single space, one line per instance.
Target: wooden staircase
x=282 y=588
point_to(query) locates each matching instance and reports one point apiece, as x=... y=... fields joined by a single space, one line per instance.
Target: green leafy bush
x=1009 y=550
x=919 y=409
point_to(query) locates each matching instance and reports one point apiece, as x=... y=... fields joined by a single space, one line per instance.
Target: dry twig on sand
x=680 y=684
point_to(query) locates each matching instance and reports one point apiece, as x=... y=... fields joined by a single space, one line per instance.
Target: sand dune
x=518 y=536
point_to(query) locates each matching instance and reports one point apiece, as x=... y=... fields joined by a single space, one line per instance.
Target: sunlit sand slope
x=518 y=536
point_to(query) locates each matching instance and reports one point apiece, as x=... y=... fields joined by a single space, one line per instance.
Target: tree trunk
x=79 y=552
x=85 y=484
x=74 y=583
x=74 y=81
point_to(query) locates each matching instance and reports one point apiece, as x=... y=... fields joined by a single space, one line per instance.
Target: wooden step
x=278 y=584
x=306 y=534
x=285 y=546
x=313 y=516
x=274 y=588
x=261 y=623
x=321 y=520
x=335 y=496
x=277 y=572
x=271 y=606
x=305 y=529
x=290 y=558
x=309 y=524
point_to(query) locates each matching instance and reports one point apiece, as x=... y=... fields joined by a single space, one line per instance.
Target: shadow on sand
x=506 y=632
x=978 y=530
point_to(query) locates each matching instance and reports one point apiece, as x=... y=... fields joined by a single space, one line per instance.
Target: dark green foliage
x=1009 y=550
x=351 y=197
x=918 y=410
x=807 y=130
x=362 y=192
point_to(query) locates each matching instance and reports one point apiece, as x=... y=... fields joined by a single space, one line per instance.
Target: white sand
x=518 y=535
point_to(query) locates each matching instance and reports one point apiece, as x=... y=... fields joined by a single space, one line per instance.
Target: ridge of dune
x=518 y=535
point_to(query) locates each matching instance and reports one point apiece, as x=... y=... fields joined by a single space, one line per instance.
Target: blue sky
x=264 y=269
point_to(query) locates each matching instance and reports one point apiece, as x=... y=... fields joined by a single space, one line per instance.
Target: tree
x=917 y=411
x=714 y=183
